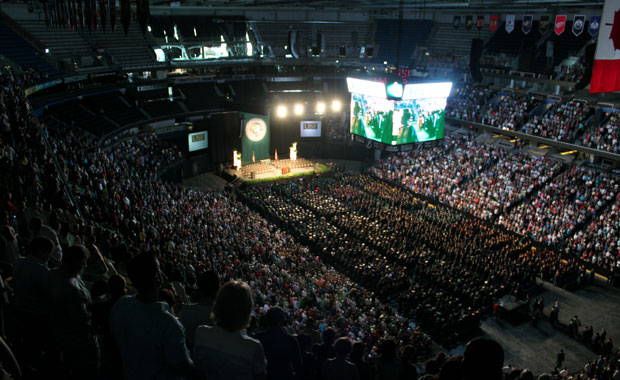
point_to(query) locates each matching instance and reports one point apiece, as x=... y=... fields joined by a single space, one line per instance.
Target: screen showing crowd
x=397 y=122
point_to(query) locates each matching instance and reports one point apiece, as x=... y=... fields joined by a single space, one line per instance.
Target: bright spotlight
x=336 y=105
x=320 y=108
x=299 y=109
x=281 y=111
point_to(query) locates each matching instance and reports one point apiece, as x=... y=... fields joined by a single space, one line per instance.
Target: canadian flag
x=606 y=69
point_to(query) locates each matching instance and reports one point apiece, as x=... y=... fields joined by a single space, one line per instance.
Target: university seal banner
x=255 y=137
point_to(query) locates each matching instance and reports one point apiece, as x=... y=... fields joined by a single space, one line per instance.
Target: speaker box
x=526 y=55
x=474 y=59
x=343 y=51
x=369 y=51
x=588 y=62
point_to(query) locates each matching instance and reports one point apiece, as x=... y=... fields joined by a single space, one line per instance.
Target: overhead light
x=281 y=111
x=320 y=107
x=336 y=105
x=299 y=109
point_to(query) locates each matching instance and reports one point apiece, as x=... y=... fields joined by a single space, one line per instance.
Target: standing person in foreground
x=224 y=351
x=150 y=339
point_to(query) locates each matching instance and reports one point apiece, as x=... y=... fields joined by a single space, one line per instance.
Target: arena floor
x=536 y=347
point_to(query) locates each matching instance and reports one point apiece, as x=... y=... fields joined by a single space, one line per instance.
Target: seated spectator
x=224 y=351
x=151 y=340
x=339 y=368
x=196 y=314
x=281 y=349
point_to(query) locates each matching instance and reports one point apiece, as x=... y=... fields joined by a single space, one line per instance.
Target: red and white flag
x=606 y=69
x=560 y=24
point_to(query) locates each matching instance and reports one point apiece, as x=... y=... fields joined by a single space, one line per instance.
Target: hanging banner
x=526 y=27
x=103 y=14
x=93 y=14
x=606 y=69
x=80 y=14
x=143 y=13
x=493 y=22
x=113 y=15
x=595 y=24
x=469 y=22
x=579 y=21
x=510 y=23
x=456 y=22
x=125 y=15
x=543 y=27
x=255 y=137
x=480 y=22
x=560 y=24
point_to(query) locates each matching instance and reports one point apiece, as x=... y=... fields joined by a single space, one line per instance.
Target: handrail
x=61 y=173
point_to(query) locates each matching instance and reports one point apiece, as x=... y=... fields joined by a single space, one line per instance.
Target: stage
x=277 y=169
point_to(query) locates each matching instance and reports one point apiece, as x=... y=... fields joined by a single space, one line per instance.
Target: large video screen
x=395 y=122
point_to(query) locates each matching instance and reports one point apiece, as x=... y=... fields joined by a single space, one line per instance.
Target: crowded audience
x=563 y=121
x=604 y=137
x=510 y=111
x=467 y=102
x=599 y=241
x=562 y=205
x=356 y=275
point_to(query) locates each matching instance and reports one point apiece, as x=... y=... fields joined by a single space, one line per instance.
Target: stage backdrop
x=255 y=137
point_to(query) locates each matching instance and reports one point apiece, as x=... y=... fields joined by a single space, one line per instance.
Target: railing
x=537 y=139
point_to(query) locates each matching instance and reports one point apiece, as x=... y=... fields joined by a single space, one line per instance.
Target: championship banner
x=456 y=22
x=125 y=15
x=606 y=69
x=255 y=139
x=510 y=23
x=480 y=22
x=113 y=15
x=80 y=14
x=543 y=26
x=526 y=27
x=103 y=14
x=493 y=22
x=469 y=22
x=579 y=21
x=560 y=24
x=595 y=24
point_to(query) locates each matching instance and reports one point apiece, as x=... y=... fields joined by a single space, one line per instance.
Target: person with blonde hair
x=225 y=351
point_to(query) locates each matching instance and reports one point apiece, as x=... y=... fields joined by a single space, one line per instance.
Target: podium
x=285 y=171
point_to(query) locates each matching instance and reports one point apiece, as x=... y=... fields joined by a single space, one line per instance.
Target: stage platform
x=276 y=169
